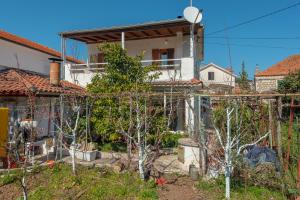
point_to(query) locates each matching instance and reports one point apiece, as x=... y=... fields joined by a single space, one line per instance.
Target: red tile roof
x=289 y=65
x=33 y=45
x=15 y=82
x=192 y=82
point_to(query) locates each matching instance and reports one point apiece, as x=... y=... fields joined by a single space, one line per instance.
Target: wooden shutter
x=100 y=57
x=171 y=53
x=155 y=56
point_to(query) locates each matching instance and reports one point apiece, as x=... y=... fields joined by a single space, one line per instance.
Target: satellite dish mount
x=194 y=16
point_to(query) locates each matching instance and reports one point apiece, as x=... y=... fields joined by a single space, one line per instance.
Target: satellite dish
x=192 y=14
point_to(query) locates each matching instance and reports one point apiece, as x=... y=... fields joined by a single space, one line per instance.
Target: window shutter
x=155 y=56
x=170 y=53
x=211 y=76
x=100 y=57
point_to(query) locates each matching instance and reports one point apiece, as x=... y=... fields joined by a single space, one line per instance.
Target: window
x=163 y=54
x=211 y=76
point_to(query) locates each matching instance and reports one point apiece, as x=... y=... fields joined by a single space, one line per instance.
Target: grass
x=89 y=183
x=215 y=189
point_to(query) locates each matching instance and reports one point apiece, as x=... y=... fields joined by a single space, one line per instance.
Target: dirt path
x=179 y=189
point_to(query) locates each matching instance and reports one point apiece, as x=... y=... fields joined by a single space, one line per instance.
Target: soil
x=182 y=188
x=13 y=191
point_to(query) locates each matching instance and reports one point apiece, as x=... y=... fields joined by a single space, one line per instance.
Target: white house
x=166 y=43
x=21 y=53
x=24 y=67
x=213 y=74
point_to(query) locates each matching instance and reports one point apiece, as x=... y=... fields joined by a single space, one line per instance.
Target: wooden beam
x=134 y=34
x=170 y=31
x=157 y=32
x=88 y=39
x=111 y=36
x=145 y=33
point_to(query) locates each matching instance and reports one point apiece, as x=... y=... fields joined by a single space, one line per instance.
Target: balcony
x=170 y=69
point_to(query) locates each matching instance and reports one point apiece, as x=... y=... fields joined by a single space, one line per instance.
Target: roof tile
x=289 y=65
x=15 y=82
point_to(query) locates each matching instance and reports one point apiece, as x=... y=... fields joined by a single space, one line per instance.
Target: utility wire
x=255 y=19
x=254 y=38
x=255 y=46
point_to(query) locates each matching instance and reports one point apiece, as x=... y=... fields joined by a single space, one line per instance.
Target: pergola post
x=63 y=56
x=123 y=40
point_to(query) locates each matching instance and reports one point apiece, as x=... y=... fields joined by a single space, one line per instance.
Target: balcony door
x=164 y=55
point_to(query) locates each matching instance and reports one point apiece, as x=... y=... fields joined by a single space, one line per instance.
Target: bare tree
x=229 y=144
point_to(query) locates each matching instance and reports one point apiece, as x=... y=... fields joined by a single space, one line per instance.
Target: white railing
x=96 y=67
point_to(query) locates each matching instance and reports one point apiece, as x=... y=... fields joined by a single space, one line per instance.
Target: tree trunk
x=140 y=142
x=228 y=158
x=288 y=152
x=279 y=139
x=270 y=124
x=129 y=145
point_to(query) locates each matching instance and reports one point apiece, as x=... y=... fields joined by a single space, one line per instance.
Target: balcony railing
x=163 y=64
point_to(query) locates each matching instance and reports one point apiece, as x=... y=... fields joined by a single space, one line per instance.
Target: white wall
x=135 y=47
x=14 y=55
x=221 y=77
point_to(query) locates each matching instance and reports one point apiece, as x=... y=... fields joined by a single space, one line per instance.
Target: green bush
x=7 y=179
x=114 y=146
x=168 y=140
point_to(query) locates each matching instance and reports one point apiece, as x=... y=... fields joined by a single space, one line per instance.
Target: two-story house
x=166 y=43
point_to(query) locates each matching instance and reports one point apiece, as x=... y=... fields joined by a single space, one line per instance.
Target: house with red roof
x=21 y=53
x=267 y=80
x=24 y=78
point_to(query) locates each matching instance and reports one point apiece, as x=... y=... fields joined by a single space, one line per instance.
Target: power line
x=254 y=38
x=255 y=46
x=254 y=19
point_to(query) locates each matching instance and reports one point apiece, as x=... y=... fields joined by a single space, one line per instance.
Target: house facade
x=267 y=80
x=21 y=53
x=24 y=69
x=216 y=79
x=165 y=43
x=169 y=44
x=22 y=91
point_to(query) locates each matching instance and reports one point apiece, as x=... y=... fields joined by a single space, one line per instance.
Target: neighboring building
x=267 y=80
x=216 y=78
x=19 y=87
x=24 y=69
x=165 y=43
x=21 y=53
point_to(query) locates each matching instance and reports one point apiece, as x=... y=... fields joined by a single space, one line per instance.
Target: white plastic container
x=84 y=155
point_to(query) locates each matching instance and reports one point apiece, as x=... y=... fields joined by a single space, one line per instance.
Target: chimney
x=54 y=71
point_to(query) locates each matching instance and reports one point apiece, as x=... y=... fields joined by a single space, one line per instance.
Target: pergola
x=168 y=28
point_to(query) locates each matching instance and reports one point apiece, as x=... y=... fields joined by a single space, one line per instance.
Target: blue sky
x=41 y=21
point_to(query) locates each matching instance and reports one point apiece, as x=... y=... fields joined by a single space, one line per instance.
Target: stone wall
x=267 y=83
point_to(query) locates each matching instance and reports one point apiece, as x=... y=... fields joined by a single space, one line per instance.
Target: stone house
x=267 y=80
